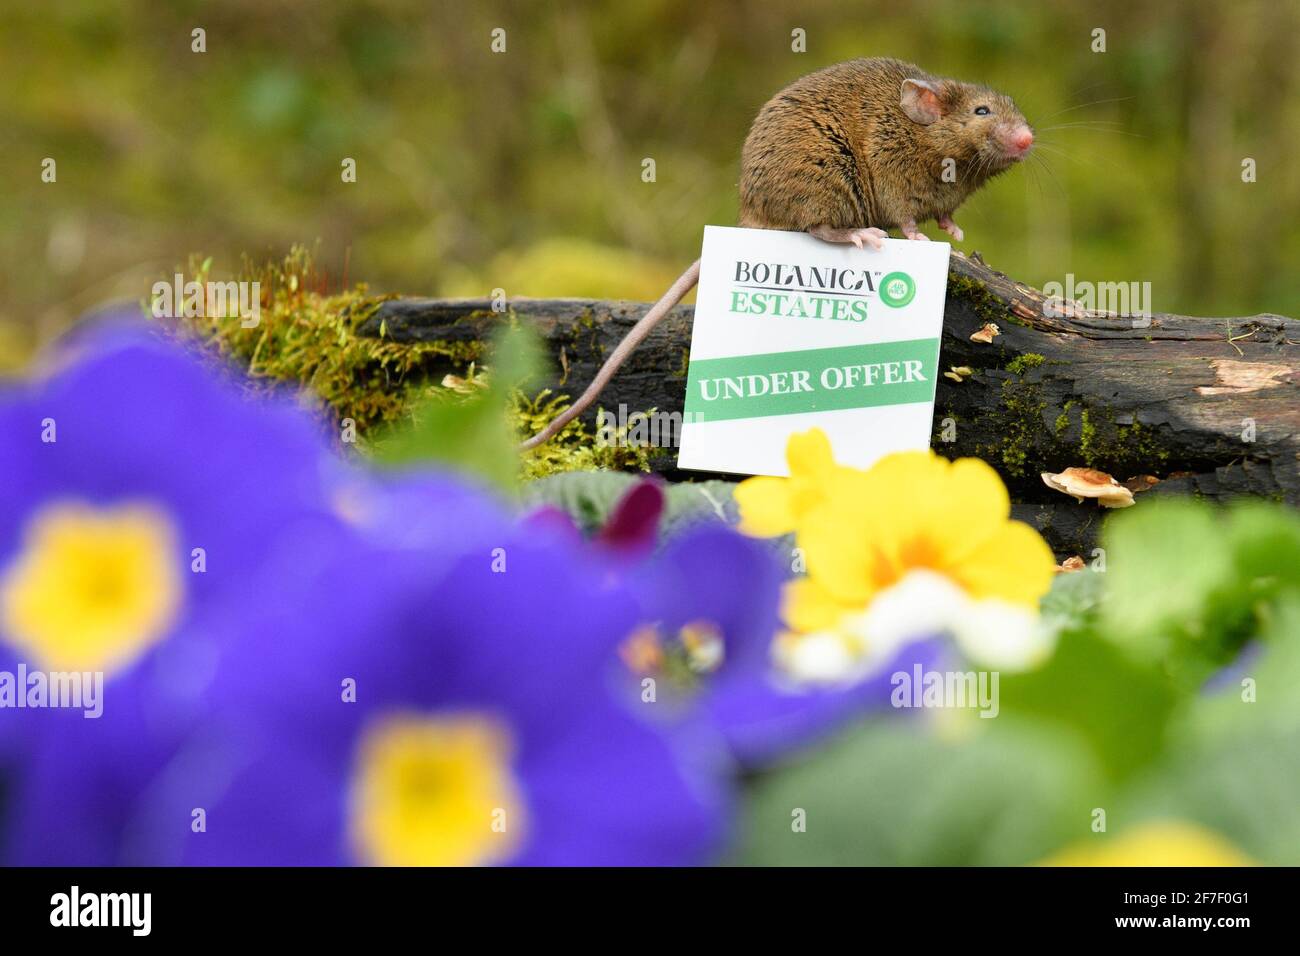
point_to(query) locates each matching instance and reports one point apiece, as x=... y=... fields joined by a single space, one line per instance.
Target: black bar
x=303 y=905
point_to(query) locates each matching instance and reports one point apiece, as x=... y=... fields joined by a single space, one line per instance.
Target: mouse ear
x=921 y=101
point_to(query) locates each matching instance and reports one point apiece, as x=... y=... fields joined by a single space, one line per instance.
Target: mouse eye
x=982 y=111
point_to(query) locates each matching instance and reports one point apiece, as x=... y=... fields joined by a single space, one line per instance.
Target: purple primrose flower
x=144 y=500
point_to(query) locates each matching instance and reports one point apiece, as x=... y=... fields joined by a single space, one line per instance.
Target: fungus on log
x=1210 y=406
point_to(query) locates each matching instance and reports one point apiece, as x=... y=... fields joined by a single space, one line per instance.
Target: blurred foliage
x=1169 y=704
x=568 y=268
x=522 y=170
x=470 y=432
x=892 y=794
x=1198 y=583
x=1235 y=766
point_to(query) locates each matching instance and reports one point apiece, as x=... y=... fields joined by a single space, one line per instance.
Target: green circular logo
x=897 y=289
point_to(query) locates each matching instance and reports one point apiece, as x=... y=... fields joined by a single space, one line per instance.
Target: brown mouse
x=847 y=153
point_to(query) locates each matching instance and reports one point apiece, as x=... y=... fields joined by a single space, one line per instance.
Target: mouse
x=845 y=154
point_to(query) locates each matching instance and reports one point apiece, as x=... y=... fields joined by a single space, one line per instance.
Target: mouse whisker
x=1032 y=172
x=982 y=164
x=1038 y=183
x=1071 y=109
x=1097 y=129
x=1084 y=89
x=1054 y=150
x=1057 y=151
x=1041 y=163
x=1079 y=123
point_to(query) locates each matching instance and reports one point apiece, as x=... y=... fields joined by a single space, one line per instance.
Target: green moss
x=461 y=353
x=1024 y=443
x=1142 y=444
x=983 y=302
x=585 y=334
x=307 y=336
x=1087 y=437
x=576 y=447
x=1023 y=363
x=1021 y=425
x=1063 y=419
x=1125 y=449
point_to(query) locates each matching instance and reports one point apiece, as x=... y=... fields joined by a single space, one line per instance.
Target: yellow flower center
x=643 y=650
x=698 y=648
x=92 y=588
x=432 y=791
x=704 y=646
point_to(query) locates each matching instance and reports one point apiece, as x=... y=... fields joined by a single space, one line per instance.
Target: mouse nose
x=1021 y=139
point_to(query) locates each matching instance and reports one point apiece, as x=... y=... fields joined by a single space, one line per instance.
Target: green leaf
x=516 y=357
x=1235 y=766
x=1272 y=663
x=1187 y=582
x=893 y=792
x=1119 y=705
x=1266 y=543
x=1163 y=559
x=470 y=434
x=1074 y=600
x=694 y=501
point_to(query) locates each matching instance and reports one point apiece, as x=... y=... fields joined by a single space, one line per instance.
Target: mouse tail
x=685 y=282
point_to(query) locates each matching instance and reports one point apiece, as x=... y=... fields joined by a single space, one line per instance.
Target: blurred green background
x=522 y=169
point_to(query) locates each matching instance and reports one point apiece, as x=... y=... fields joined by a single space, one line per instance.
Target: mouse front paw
x=872 y=236
x=951 y=228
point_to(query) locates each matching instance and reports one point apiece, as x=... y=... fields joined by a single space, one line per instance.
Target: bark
x=1208 y=405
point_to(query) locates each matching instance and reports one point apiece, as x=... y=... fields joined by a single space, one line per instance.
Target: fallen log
x=1209 y=406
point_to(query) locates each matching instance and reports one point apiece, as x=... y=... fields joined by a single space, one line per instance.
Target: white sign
x=793 y=333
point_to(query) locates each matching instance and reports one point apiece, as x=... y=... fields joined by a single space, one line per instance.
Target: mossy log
x=1210 y=406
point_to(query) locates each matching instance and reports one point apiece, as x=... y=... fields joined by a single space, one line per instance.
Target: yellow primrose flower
x=774 y=506
x=1155 y=843
x=915 y=545
x=916 y=511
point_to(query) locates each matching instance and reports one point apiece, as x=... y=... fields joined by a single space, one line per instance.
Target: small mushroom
x=959 y=373
x=1071 y=564
x=986 y=333
x=1140 y=483
x=1080 y=483
x=465 y=386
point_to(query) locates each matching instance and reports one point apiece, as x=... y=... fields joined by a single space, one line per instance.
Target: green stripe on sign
x=814 y=380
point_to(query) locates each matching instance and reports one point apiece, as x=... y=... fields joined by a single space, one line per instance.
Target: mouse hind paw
x=910 y=230
x=951 y=228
